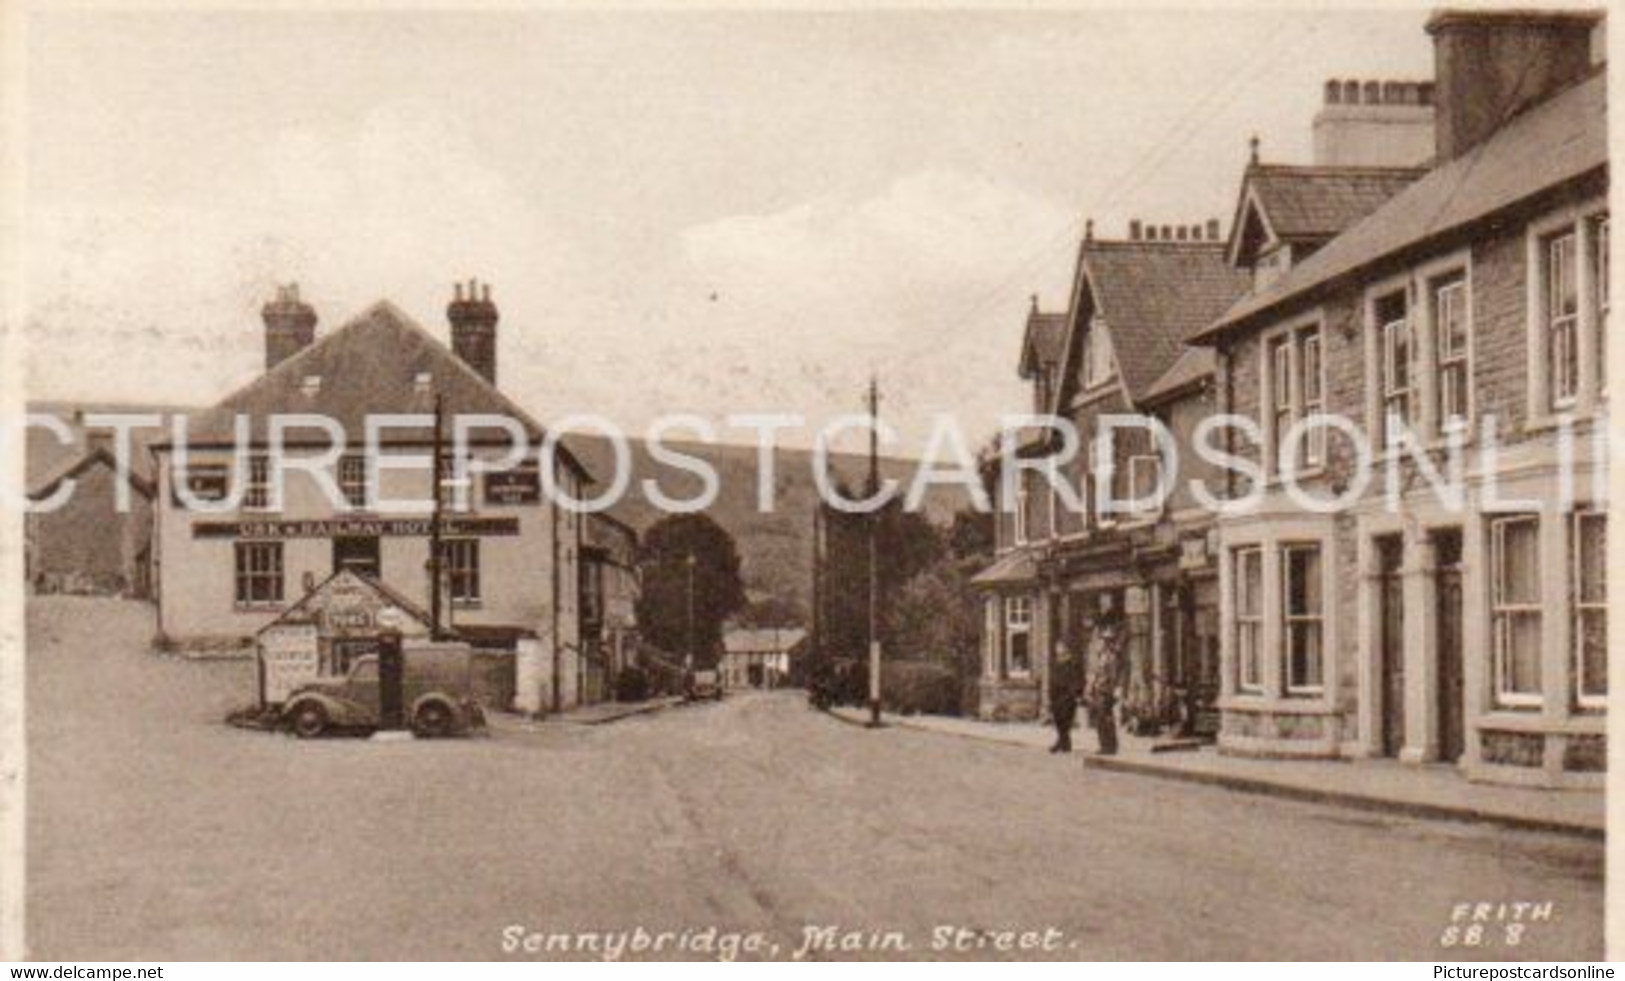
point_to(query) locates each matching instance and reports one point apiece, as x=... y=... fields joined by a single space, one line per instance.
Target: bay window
x=1018 y=627
x=1589 y=583
x=1302 y=627
x=1515 y=610
x=1249 y=616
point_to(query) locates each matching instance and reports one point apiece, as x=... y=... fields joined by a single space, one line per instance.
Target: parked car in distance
x=436 y=696
x=703 y=683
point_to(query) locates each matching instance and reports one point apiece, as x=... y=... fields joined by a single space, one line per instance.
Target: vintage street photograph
x=813 y=483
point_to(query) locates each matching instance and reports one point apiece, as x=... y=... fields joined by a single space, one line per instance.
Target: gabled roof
x=1560 y=140
x=1151 y=295
x=43 y=485
x=1044 y=343
x=1311 y=204
x=367 y=367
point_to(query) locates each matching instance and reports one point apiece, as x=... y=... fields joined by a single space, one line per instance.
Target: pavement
x=157 y=832
x=1436 y=791
x=583 y=715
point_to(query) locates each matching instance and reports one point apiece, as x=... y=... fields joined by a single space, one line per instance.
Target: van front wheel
x=309 y=720
x=432 y=720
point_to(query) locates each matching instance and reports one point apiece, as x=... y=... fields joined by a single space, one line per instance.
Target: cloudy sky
x=704 y=212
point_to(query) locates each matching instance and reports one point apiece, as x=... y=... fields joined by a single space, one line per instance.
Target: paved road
x=157 y=832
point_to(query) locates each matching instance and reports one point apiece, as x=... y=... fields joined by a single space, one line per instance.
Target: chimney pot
x=1134 y=230
x=290 y=325
x=1181 y=232
x=474 y=329
x=1334 y=92
x=1351 y=92
x=1167 y=233
x=1213 y=229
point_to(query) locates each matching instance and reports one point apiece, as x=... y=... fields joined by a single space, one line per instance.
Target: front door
x=1391 y=626
x=359 y=553
x=1447 y=594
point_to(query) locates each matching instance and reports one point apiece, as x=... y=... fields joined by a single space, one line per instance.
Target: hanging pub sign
x=1194 y=552
x=205 y=481
x=371 y=527
x=522 y=485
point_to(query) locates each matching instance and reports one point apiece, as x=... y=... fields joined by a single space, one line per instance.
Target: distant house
x=759 y=657
x=86 y=544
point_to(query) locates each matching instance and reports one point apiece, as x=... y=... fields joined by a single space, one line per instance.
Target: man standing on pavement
x=1064 y=683
x=1105 y=674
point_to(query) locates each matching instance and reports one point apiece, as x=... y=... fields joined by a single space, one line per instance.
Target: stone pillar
x=1421 y=649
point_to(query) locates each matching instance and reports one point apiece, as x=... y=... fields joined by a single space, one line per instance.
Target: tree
x=935 y=617
x=673 y=549
x=971 y=534
x=771 y=611
x=905 y=543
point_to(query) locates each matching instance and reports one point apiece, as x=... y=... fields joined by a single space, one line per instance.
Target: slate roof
x=1044 y=343
x=1152 y=295
x=1194 y=365
x=47 y=458
x=369 y=366
x=1318 y=202
x=43 y=484
x=1559 y=140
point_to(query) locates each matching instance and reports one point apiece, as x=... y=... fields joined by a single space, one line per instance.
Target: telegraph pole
x=874 y=553
x=434 y=529
x=688 y=660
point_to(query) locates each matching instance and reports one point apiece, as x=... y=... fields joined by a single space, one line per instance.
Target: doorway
x=1447 y=597
x=1391 y=641
x=358 y=553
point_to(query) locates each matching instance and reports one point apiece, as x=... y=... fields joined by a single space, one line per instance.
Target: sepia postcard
x=537 y=483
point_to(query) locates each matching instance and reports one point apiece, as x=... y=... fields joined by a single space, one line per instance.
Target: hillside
x=776 y=547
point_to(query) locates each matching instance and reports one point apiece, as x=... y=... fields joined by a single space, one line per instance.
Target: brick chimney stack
x=474 y=327
x=1489 y=64
x=290 y=325
x=1374 y=124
